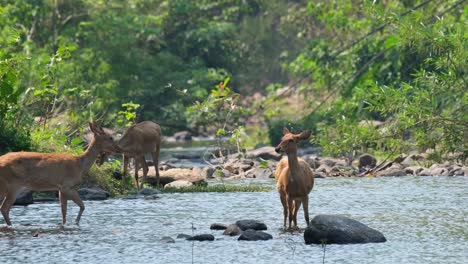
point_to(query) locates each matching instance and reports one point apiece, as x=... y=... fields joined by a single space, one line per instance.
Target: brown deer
x=294 y=177
x=137 y=140
x=32 y=171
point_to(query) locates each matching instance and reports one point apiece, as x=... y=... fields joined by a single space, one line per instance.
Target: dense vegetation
x=366 y=76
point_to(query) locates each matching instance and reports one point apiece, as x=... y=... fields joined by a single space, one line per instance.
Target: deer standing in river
x=137 y=140
x=294 y=177
x=32 y=171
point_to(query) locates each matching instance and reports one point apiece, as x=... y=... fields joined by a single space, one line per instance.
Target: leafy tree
x=407 y=71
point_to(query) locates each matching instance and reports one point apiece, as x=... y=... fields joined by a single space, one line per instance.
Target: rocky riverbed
x=261 y=163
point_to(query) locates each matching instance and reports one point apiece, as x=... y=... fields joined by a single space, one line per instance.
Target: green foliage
x=102 y=176
x=128 y=116
x=346 y=63
x=409 y=74
x=221 y=113
x=14 y=139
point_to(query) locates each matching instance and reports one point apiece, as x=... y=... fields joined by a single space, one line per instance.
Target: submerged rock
x=335 y=229
x=167 y=239
x=202 y=237
x=93 y=194
x=183 y=236
x=253 y=235
x=217 y=226
x=148 y=191
x=251 y=224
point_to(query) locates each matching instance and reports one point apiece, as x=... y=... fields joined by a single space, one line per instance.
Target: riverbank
x=261 y=163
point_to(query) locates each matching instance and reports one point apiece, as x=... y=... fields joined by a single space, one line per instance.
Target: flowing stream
x=425 y=220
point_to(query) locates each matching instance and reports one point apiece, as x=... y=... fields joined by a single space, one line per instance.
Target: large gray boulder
x=336 y=229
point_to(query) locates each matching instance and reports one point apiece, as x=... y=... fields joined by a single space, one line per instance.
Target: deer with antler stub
x=294 y=177
x=33 y=171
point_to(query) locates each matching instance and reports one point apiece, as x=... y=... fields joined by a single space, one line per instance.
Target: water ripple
x=425 y=220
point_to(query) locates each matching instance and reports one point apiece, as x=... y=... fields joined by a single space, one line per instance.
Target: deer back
x=40 y=171
x=143 y=137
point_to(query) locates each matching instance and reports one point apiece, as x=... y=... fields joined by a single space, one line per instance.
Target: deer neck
x=293 y=163
x=89 y=156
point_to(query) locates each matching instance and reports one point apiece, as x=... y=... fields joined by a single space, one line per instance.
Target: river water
x=425 y=220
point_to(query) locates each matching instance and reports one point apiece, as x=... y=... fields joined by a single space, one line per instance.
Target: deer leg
x=75 y=197
x=290 y=209
x=285 y=208
x=125 y=166
x=297 y=205
x=63 y=206
x=155 y=156
x=136 y=172
x=145 y=170
x=305 y=201
x=8 y=201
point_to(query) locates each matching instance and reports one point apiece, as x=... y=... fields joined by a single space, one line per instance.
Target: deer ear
x=285 y=131
x=99 y=129
x=92 y=127
x=304 y=135
x=96 y=128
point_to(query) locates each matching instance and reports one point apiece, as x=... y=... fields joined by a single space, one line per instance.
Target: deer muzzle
x=278 y=149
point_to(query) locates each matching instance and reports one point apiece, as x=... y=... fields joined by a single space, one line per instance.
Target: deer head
x=289 y=141
x=103 y=141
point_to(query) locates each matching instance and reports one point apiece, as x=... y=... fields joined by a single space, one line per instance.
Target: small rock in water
x=183 y=236
x=253 y=235
x=167 y=239
x=148 y=191
x=232 y=230
x=251 y=224
x=151 y=197
x=217 y=226
x=95 y=194
x=202 y=237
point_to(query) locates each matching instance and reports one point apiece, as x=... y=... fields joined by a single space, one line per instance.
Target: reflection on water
x=425 y=220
